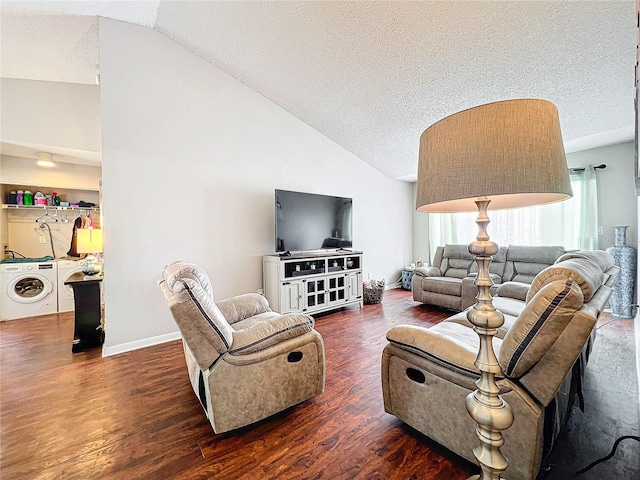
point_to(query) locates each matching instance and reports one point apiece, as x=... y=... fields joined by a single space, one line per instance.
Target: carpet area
x=611 y=411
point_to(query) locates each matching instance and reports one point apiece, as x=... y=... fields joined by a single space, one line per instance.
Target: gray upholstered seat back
x=525 y=262
x=190 y=297
x=456 y=261
x=497 y=265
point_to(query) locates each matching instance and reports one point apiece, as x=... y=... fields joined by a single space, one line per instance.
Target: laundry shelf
x=49 y=207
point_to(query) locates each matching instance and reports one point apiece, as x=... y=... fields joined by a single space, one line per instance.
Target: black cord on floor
x=633 y=305
x=604 y=459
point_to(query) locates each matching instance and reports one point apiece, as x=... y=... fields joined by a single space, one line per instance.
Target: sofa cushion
x=243 y=306
x=534 y=253
x=523 y=272
x=524 y=262
x=585 y=273
x=496 y=267
x=601 y=258
x=509 y=318
x=457 y=251
x=456 y=267
x=538 y=326
x=456 y=261
x=516 y=290
x=446 y=343
x=509 y=306
x=443 y=285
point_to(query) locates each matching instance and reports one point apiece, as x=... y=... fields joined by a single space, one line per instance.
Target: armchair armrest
x=244 y=306
x=265 y=334
x=427 y=272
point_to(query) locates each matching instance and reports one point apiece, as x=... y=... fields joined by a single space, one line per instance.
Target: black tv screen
x=308 y=221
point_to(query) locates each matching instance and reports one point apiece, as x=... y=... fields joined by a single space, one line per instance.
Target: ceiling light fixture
x=45 y=160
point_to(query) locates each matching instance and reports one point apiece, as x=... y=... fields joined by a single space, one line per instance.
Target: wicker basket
x=373 y=291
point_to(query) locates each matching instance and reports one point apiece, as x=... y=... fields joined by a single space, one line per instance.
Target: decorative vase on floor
x=626 y=258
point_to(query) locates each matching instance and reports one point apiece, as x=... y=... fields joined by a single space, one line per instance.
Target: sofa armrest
x=427 y=272
x=265 y=334
x=449 y=344
x=244 y=306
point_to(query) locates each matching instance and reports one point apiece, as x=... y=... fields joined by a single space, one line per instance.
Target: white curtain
x=572 y=223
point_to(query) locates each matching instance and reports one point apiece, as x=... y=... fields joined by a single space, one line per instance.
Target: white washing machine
x=28 y=289
x=66 y=268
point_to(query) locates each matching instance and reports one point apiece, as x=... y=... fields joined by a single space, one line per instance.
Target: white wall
x=24 y=171
x=202 y=153
x=617 y=203
x=52 y=114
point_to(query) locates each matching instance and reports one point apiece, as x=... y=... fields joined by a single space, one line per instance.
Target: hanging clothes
x=73 y=250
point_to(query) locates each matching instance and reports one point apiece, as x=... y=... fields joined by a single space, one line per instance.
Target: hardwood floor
x=134 y=415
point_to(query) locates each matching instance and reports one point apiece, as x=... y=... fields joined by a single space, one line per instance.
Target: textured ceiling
x=371 y=75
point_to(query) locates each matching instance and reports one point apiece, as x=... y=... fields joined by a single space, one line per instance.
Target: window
x=572 y=223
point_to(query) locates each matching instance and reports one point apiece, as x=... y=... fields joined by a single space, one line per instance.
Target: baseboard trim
x=138 y=344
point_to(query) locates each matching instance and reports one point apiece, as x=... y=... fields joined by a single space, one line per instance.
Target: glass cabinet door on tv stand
x=313 y=282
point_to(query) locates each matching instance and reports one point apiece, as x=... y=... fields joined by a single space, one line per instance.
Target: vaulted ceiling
x=371 y=76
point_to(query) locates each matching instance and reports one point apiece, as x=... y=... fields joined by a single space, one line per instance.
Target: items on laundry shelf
x=45 y=199
x=39 y=198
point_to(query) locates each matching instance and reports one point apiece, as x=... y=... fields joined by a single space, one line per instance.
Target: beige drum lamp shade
x=510 y=152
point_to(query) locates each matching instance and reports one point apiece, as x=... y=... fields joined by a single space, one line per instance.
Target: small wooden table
x=88 y=329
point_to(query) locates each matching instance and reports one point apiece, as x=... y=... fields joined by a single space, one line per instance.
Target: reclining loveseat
x=542 y=349
x=448 y=283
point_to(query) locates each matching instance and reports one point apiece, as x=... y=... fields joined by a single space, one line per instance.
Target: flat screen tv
x=308 y=221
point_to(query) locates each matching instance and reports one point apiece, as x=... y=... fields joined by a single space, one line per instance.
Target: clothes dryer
x=66 y=268
x=28 y=289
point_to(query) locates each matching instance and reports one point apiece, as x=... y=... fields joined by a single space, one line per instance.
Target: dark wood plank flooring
x=134 y=415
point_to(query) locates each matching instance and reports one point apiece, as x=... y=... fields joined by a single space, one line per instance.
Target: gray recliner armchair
x=245 y=361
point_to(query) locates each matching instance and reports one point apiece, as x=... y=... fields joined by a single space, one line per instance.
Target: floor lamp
x=508 y=154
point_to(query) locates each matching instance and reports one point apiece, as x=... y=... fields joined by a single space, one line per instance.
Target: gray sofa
x=542 y=349
x=449 y=282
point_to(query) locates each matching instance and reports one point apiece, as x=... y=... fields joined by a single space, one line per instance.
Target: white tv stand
x=313 y=282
